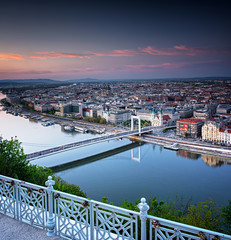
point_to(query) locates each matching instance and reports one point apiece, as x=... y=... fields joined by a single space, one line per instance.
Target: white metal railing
x=74 y=217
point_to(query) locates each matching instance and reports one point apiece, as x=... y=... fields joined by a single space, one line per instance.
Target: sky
x=65 y=40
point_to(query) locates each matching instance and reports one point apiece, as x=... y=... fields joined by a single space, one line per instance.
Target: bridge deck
x=86 y=142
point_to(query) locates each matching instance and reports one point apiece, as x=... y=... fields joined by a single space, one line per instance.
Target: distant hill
x=83 y=80
x=7 y=83
x=33 y=81
x=10 y=83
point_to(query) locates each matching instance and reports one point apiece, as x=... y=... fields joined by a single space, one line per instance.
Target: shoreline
x=187 y=145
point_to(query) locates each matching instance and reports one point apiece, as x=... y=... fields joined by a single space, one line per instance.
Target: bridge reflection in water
x=97 y=157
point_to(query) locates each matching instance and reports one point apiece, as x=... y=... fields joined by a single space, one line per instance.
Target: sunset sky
x=114 y=39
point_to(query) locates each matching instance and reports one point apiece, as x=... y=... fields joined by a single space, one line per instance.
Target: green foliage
x=63 y=186
x=38 y=175
x=13 y=164
x=13 y=161
x=226 y=213
x=204 y=214
x=102 y=121
x=95 y=119
x=130 y=205
x=105 y=200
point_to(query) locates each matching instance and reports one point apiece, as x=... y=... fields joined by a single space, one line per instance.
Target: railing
x=74 y=217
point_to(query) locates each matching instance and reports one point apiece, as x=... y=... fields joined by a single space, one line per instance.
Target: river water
x=121 y=169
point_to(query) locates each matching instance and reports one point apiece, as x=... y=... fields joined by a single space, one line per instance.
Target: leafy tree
x=13 y=164
x=226 y=212
x=204 y=215
x=38 y=174
x=13 y=161
x=102 y=121
x=63 y=186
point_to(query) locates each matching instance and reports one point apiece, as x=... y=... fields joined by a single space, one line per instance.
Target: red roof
x=222 y=130
x=166 y=117
x=191 y=120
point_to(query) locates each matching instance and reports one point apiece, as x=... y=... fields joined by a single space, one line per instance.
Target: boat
x=80 y=129
x=45 y=124
x=100 y=131
x=69 y=128
x=174 y=146
x=48 y=123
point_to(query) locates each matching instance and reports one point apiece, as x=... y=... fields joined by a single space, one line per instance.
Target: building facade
x=210 y=131
x=189 y=127
x=225 y=136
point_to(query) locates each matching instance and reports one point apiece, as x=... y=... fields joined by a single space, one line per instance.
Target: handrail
x=75 y=217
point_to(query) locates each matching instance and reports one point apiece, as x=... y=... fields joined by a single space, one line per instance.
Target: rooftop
x=191 y=120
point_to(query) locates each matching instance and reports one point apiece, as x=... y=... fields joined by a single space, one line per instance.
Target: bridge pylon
x=132 y=123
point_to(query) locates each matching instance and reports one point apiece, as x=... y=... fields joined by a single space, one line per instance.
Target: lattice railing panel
x=7 y=198
x=72 y=218
x=33 y=205
x=166 y=230
x=78 y=218
x=110 y=224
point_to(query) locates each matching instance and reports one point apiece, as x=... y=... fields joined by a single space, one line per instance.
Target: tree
x=227 y=217
x=13 y=161
x=13 y=164
x=102 y=121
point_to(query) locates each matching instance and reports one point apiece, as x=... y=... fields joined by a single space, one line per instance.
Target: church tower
x=157 y=118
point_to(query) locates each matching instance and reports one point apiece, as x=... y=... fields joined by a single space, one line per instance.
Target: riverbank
x=205 y=148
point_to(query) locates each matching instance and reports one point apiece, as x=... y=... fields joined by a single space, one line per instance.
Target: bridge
x=66 y=147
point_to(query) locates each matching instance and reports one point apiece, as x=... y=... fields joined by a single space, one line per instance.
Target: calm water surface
x=121 y=173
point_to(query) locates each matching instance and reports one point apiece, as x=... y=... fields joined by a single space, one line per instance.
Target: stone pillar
x=143 y=206
x=51 y=221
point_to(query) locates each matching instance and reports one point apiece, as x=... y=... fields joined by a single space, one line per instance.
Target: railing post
x=17 y=198
x=91 y=221
x=143 y=206
x=51 y=220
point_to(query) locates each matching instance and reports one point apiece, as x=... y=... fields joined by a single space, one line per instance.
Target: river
x=130 y=171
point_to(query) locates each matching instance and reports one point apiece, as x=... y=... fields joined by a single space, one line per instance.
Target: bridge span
x=69 y=146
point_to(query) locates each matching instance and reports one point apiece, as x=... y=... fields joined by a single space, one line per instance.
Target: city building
x=186 y=112
x=189 y=127
x=224 y=108
x=119 y=116
x=145 y=115
x=225 y=135
x=157 y=119
x=210 y=131
x=43 y=107
x=203 y=113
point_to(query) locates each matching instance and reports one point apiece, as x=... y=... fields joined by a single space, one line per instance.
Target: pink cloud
x=38 y=57
x=152 y=51
x=117 y=53
x=9 y=56
x=44 y=55
x=177 y=50
x=167 y=65
x=194 y=51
